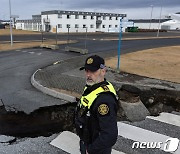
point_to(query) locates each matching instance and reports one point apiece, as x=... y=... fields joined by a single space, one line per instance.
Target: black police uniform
x=98 y=129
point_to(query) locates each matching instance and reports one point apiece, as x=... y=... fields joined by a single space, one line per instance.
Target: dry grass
x=17 y=32
x=161 y=63
x=19 y=45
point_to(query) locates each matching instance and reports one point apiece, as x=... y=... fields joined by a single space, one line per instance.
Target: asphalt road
x=65 y=36
x=16 y=69
x=126 y=45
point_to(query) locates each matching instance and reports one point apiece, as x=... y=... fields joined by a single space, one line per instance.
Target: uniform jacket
x=102 y=123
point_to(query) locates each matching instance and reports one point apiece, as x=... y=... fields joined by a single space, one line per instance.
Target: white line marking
x=141 y=135
x=39 y=54
x=31 y=52
x=24 y=51
x=167 y=118
x=69 y=142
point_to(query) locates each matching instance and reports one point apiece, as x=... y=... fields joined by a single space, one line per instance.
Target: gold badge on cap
x=103 y=109
x=90 y=61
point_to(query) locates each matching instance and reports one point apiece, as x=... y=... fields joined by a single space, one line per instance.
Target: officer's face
x=94 y=77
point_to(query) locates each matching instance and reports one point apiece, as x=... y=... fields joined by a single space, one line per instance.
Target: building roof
x=38 y=16
x=82 y=13
x=29 y=21
x=148 y=20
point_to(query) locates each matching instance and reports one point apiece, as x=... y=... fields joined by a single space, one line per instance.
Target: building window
x=68 y=25
x=76 y=26
x=59 y=25
x=92 y=17
x=116 y=18
x=76 y=16
x=110 y=18
x=59 y=15
x=98 y=17
x=84 y=26
x=92 y=26
x=104 y=17
x=103 y=26
x=116 y=26
x=68 y=16
x=110 y=26
x=84 y=17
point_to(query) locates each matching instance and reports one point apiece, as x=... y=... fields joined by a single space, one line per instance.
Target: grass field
x=20 y=45
x=17 y=32
x=161 y=63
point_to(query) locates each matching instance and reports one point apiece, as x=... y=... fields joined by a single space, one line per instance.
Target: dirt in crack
x=42 y=122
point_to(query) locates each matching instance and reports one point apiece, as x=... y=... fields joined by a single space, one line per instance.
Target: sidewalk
x=64 y=80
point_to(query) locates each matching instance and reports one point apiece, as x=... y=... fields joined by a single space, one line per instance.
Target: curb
x=70 y=98
x=50 y=91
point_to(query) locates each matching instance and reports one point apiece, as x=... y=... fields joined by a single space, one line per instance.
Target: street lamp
x=10 y=23
x=159 y=21
x=151 y=16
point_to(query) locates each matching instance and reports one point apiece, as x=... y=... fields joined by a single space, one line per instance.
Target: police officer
x=96 y=112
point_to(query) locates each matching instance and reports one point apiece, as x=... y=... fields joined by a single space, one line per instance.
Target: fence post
x=42 y=36
x=56 y=34
x=68 y=36
x=85 y=43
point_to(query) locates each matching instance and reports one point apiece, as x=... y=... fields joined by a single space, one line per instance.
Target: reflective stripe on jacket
x=87 y=101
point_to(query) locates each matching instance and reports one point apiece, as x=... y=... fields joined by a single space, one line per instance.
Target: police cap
x=93 y=63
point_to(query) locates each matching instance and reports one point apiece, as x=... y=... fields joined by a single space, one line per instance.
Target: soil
x=160 y=63
x=28 y=44
x=16 y=32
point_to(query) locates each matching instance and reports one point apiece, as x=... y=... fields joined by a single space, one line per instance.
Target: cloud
x=26 y=8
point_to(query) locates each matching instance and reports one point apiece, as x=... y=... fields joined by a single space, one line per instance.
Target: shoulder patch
x=105 y=88
x=103 y=109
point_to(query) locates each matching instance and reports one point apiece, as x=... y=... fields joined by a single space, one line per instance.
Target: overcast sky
x=135 y=9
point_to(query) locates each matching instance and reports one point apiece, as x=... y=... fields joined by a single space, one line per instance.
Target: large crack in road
x=42 y=122
x=46 y=121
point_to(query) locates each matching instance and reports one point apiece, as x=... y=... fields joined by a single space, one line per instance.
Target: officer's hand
x=86 y=152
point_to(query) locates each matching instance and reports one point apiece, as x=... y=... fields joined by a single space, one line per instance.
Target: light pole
x=10 y=23
x=119 y=43
x=159 y=21
x=151 y=16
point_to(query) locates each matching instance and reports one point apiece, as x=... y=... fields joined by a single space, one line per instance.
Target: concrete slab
x=6 y=139
x=79 y=50
x=142 y=135
x=53 y=47
x=69 y=142
x=167 y=118
x=134 y=111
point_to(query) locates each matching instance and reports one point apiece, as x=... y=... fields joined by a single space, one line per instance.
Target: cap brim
x=91 y=68
x=81 y=68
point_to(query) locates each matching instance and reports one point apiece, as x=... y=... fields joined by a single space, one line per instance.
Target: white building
x=147 y=23
x=33 y=24
x=173 y=24
x=76 y=21
x=72 y=21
